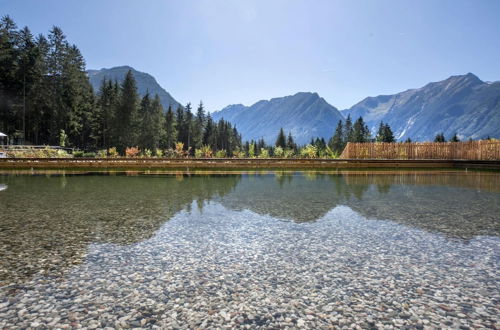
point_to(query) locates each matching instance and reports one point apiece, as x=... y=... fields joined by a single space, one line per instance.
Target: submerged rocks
x=220 y=268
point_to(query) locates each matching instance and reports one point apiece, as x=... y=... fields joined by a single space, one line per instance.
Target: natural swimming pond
x=250 y=250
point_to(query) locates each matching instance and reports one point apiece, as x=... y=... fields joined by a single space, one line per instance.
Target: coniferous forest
x=46 y=99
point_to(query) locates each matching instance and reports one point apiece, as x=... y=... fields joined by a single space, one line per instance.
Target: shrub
x=102 y=153
x=132 y=152
x=159 y=152
x=264 y=153
x=278 y=152
x=113 y=153
x=170 y=153
x=148 y=153
x=309 y=151
x=89 y=155
x=238 y=153
x=251 y=150
x=78 y=153
x=220 y=153
x=288 y=153
x=328 y=152
x=204 y=152
x=179 y=150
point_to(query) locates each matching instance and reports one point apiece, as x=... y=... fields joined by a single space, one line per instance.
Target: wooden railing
x=470 y=150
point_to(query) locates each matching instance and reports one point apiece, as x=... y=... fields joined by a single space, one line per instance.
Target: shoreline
x=228 y=164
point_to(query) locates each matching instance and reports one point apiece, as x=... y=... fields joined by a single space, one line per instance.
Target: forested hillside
x=46 y=98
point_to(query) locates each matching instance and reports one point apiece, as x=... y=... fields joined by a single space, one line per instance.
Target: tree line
x=46 y=98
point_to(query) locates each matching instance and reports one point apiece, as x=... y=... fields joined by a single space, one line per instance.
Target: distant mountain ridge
x=461 y=104
x=305 y=115
x=145 y=82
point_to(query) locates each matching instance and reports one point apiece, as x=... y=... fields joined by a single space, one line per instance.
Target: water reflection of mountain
x=47 y=222
x=452 y=204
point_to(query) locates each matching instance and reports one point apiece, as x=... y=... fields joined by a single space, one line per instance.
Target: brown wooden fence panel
x=469 y=150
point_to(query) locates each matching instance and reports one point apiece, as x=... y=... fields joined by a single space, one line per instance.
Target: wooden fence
x=470 y=150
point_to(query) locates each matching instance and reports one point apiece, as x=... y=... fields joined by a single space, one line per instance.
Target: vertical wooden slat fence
x=469 y=150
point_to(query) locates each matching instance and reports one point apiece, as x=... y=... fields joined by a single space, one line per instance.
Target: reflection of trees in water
x=47 y=222
x=434 y=202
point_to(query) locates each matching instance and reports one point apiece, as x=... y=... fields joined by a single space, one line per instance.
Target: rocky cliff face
x=460 y=104
x=305 y=115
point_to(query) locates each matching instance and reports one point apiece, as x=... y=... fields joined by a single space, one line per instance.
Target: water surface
x=250 y=250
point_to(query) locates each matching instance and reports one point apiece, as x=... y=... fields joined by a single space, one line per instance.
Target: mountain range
x=461 y=104
x=145 y=82
x=305 y=115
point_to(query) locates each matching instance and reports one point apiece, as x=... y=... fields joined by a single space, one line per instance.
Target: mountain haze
x=145 y=82
x=305 y=115
x=460 y=104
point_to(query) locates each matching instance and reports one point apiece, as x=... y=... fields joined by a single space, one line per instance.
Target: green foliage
x=288 y=153
x=159 y=153
x=148 y=153
x=89 y=155
x=439 y=138
x=264 y=153
x=281 y=139
x=384 y=133
x=78 y=153
x=251 y=150
x=238 y=153
x=221 y=154
x=329 y=153
x=103 y=153
x=113 y=153
x=309 y=151
x=454 y=138
x=62 y=138
x=204 y=151
x=278 y=152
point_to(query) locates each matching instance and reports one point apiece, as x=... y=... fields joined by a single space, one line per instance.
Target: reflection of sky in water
x=249 y=239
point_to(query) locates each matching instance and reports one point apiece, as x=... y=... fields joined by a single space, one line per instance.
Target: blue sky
x=227 y=52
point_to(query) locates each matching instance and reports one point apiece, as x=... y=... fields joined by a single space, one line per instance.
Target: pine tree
x=126 y=117
x=455 y=138
x=198 y=126
x=281 y=139
x=336 y=142
x=348 y=130
x=360 y=132
x=439 y=138
x=290 y=143
x=384 y=133
x=169 y=131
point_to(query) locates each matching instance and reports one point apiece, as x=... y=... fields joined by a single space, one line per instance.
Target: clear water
x=250 y=250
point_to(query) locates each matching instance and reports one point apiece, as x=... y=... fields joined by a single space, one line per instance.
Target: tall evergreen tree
x=151 y=114
x=281 y=139
x=198 y=126
x=126 y=117
x=348 y=130
x=336 y=142
x=454 y=138
x=170 y=131
x=290 y=143
x=439 y=138
x=360 y=132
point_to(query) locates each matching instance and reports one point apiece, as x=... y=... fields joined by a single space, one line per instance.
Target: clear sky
x=225 y=52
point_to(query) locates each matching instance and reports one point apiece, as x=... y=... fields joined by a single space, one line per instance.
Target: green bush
x=78 y=153
x=89 y=154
